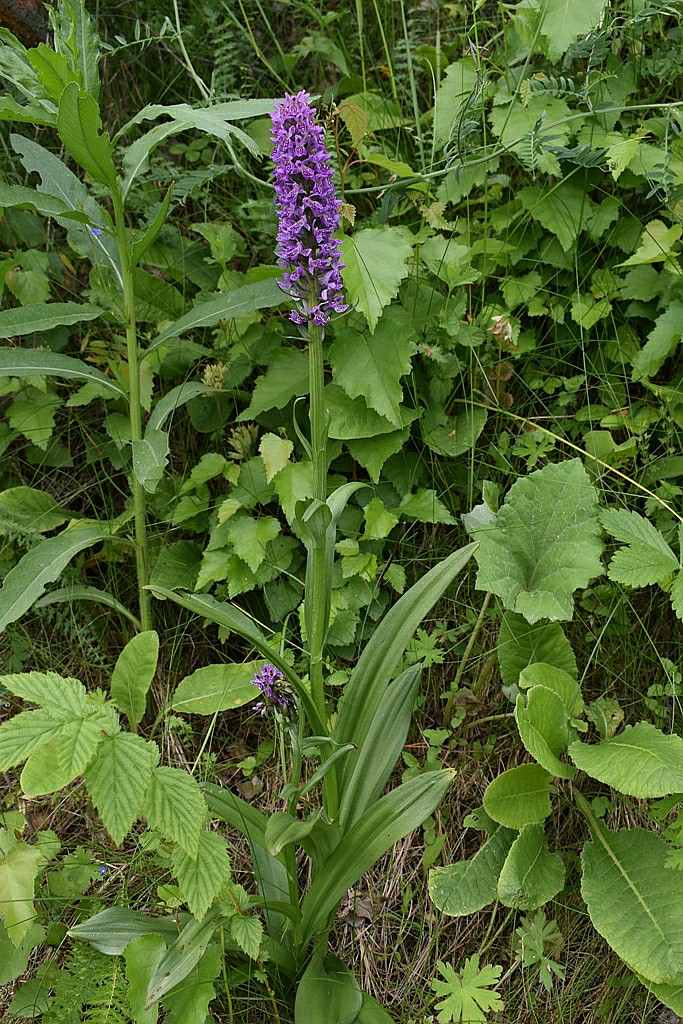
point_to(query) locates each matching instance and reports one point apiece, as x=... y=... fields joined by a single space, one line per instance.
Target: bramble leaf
x=647 y=558
x=19 y=868
x=118 y=780
x=202 y=877
x=376 y=262
x=175 y=806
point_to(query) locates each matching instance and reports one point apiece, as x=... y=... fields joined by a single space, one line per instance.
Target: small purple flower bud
x=308 y=212
x=270 y=682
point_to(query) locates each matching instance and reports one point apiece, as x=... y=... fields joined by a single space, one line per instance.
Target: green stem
x=319 y=599
x=448 y=711
x=134 y=412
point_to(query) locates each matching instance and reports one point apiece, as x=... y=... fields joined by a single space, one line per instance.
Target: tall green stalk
x=134 y=413
x=316 y=577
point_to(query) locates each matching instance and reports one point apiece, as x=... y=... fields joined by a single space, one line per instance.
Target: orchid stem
x=316 y=590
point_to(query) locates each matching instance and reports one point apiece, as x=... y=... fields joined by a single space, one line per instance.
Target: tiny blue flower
x=95 y=231
x=103 y=870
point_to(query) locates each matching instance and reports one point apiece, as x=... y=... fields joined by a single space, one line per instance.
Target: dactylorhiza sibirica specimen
x=308 y=212
x=271 y=683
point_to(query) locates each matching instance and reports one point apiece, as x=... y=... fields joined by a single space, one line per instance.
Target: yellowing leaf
x=275 y=452
x=18 y=870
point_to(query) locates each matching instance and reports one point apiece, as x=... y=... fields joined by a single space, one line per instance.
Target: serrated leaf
x=562 y=209
x=26 y=732
x=202 y=877
x=647 y=558
x=519 y=797
x=469 y=885
x=79 y=125
x=43 y=773
x=468 y=994
x=531 y=875
x=247 y=931
x=376 y=262
x=563 y=21
x=19 y=869
x=373 y=452
x=250 y=536
x=28 y=510
x=286 y=378
x=635 y=902
x=175 y=806
x=661 y=341
x=521 y=644
x=275 y=452
x=542 y=724
x=641 y=761
x=15 y=362
x=372 y=365
x=545 y=543
x=457 y=85
x=60 y=694
x=379 y=521
x=424 y=506
x=118 y=781
x=133 y=675
x=351 y=418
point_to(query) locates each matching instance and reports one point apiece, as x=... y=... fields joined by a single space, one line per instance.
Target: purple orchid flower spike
x=308 y=211
x=271 y=682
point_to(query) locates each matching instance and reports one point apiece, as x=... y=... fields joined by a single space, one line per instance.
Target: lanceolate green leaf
x=328 y=994
x=531 y=875
x=239 y=814
x=80 y=126
x=635 y=902
x=15 y=323
x=260 y=295
x=25 y=583
x=394 y=816
x=17 y=362
x=133 y=674
x=173 y=400
x=640 y=761
x=376 y=665
x=111 y=930
x=182 y=957
x=544 y=544
x=78 y=593
x=16 y=196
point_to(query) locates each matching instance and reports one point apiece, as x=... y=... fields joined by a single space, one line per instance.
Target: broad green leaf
x=247 y=932
x=275 y=452
x=635 y=902
x=118 y=780
x=456 y=434
x=203 y=876
x=562 y=209
x=14 y=959
x=217 y=688
x=371 y=453
x=563 y=21
x=294 y=483
x=640 y=761
x=661 y=342
x=19 y=197
x=379 y=521
x=43 y=564
x=43 y=773
x=328 y=993
x=79 y=125
x=61 y=695
x=74 y=35
x=28 y=510
x=450 y=261
x=175 y=806
x=469 y=885
x=351 y=418
x=544 y=544
x=363 y=693
x=15 y=362
x=372 y=366
x=150 y=455
x=111 y=930
x=658 y=241
x=19 y=869
x=32 y=414
x=177 y=566
x=52 y=69
x=468 y=994
x=26 y=732
x=560 y=682
x=133 y=675
x=286 y=378
x=647 y=558
x=188 y=1002
x=531 y=875
x=522 y=128
x=382 y=746
x=519 y=797
x=77 y=744
x=393 y=817
x=44 y=316
x=143 y=956
x=542 y=724
x=376 y=262
x=250 y=297
x=425 y=506
x=521 y=644
x=250 y=536
x=457 y=86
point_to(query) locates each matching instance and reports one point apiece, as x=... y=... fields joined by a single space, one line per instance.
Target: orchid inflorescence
x=308 y=212
x=270 y=682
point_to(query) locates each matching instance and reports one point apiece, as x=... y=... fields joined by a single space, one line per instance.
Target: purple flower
x=308 y=212
x=270 y=682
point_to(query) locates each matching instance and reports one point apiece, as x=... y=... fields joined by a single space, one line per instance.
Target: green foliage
x=469 y=994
